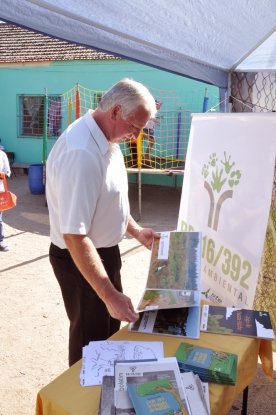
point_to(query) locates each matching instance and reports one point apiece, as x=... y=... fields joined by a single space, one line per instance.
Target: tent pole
x=139 y=194
x=205 y=101
x=229 y=104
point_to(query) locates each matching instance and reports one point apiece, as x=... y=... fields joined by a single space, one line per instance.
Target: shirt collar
x=96 y=133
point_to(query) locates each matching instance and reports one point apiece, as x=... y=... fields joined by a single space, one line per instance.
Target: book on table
x=212 y=366
x=197 y=394
x=158 y=396
x=170 y=304
x=141 y=372
x=236 y=321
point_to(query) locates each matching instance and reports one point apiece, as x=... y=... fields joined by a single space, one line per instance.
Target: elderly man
x=87 y=196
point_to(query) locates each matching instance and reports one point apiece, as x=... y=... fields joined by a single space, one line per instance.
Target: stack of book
x=212 y=366
x=144 y=387
x=137 y=373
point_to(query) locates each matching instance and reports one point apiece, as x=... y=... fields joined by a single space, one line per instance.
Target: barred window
x=31 y=119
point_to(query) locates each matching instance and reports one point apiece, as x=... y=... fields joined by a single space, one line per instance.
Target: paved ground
x=33 y=324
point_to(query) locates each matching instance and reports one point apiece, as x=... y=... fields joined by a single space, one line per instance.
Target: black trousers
x=88 y=315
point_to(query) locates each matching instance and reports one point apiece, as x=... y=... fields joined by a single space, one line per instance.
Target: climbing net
x=169 y=140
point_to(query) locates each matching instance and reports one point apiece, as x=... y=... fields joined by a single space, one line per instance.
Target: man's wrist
x=136 y=232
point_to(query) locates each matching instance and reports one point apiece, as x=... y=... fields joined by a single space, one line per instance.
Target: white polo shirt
x=86 y=186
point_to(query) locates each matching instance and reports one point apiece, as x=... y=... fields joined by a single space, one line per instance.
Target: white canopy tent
x=200 y=39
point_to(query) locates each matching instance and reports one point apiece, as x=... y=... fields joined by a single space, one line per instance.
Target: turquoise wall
x=59 y=77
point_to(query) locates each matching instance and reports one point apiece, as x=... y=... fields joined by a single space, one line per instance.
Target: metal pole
x=178 y=132
x=205 y=101
x=139 y=194
x=45 y=131
x=244 y=401
x=45 y=127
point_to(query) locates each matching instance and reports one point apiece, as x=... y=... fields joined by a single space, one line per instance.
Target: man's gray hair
x=129 y=95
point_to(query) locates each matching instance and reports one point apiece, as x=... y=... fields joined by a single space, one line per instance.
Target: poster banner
x=226 y=195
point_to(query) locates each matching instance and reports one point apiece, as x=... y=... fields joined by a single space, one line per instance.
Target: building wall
x=58 y=77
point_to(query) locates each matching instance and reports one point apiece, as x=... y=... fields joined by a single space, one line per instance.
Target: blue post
x=205 y=101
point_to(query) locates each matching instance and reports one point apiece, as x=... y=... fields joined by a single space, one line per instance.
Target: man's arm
x=143 y=235
x=90 y=265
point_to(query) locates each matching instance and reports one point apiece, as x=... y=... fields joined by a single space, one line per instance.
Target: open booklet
x=170 y=304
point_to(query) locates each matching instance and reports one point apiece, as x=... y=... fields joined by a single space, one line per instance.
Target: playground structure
x=168 y=153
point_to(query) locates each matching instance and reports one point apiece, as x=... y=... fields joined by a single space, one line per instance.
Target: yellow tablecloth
x=65 y=395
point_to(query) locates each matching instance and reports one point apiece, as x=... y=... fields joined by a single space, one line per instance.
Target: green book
x=158 y=396
x=210 y=365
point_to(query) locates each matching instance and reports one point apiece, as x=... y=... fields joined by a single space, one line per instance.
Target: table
x=65 y=395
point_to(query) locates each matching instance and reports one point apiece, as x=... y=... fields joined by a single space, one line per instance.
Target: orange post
x=77 y=103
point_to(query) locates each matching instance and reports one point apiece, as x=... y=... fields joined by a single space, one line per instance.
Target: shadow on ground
x=31 y=213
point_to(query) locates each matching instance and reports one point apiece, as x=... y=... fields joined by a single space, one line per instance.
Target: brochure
x=236 y=321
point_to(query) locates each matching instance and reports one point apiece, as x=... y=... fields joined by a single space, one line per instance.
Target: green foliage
x=179 y=271
x=265 y=296
x=213 y=324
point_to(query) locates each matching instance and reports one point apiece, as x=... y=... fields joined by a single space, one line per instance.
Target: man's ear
x=115 y=111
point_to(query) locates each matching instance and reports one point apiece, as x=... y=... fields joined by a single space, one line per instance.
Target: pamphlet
x=236 y=321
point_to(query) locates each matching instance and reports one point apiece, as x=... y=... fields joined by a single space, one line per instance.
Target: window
x=31 y=119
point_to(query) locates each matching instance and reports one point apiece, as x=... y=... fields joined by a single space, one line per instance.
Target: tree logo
x=222 y=175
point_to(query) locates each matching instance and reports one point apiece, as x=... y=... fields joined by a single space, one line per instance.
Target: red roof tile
x=22 y=45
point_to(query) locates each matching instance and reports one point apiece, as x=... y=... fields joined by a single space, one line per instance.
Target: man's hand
x=120 y=307
x=145 y=237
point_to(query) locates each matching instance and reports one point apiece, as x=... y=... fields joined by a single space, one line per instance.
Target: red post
x=78 y=104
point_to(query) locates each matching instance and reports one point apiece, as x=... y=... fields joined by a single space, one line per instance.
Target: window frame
x=37 y=132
